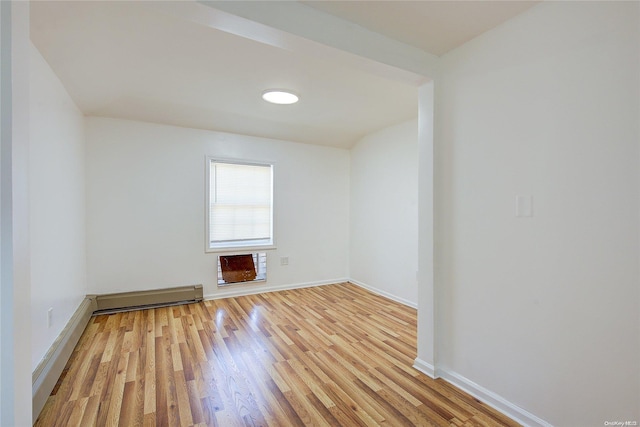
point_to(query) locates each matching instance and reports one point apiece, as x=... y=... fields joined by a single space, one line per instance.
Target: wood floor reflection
x=333 y=355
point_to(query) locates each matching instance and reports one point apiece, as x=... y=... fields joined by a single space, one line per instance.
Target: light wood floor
x=333 y=355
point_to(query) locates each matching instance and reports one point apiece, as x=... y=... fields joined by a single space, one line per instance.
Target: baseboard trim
x=246 y=290
x=385 y=294
x=46 y=374
x=425 y=367
x=191 y=293
x=492 y=399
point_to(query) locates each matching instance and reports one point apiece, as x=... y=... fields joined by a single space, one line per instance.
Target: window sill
x=232 y=250
x=262 y=279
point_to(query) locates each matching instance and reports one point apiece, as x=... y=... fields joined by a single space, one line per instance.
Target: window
x=239 y=205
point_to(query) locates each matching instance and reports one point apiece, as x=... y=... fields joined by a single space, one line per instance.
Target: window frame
x=235 y=247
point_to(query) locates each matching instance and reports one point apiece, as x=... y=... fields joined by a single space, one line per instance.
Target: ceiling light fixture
x=280 y=96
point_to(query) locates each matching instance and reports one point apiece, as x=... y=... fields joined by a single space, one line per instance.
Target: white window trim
x=236 y=247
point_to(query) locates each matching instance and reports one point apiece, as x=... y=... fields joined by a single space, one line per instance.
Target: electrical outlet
x=284 y=260
x=524 y=206
x=50 y=317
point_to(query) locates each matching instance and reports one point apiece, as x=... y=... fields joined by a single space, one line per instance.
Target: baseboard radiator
x=48 y=371
x=136 y=300
x=46 y=374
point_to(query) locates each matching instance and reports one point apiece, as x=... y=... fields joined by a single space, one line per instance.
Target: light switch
x=524 y=206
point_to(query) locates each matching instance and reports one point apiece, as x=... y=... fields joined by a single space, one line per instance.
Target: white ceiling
x=433 y=26
x=193 y=65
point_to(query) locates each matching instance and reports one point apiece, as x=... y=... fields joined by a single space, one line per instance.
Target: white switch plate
x=524 y=206
x=284 y=260
x=50 y=317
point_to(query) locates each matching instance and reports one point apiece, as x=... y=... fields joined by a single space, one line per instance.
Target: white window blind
x=240 y=205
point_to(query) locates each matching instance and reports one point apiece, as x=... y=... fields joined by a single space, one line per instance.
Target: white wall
x=57 y=206
x=544 y=310
x=5 y=78
x=146 y=214
x=15 y=284
x=425 y=359
x=384 y=212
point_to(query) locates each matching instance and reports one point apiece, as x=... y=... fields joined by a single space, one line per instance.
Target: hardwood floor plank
x=269 y=406
x=335 y=355
x=161 y=391
x=167 y=375
x=393 y=414
x=90 y=375
x=90 y=415
x=195 y=403
x=117 y=391
x=78 y=411
x=345 y=391
x=149 y=420
x=351 y=407
x=127 y=409
x=209 y=387
x=208 y=412
x=148 y=347
x=184 y=405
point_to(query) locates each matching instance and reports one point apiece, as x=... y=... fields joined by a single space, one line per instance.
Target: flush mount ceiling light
x=280 y=96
